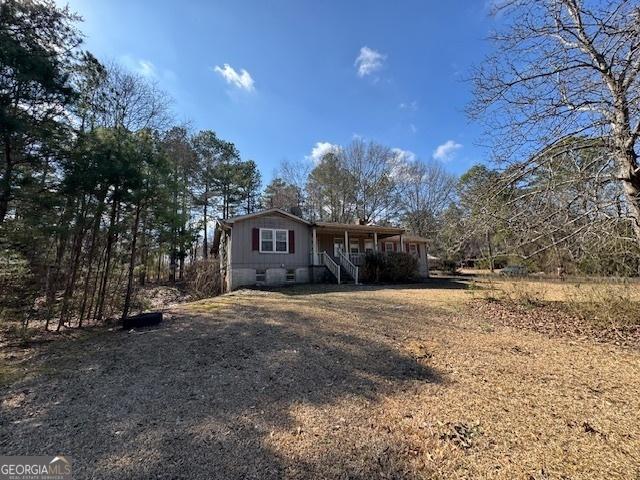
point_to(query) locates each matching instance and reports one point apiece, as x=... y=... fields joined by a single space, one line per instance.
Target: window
x=274 y=240
x=368 y=246
x=388 y=246
x=282 y=237
x=261 y=275
x=266 y=240
x=354 y=246
x=413 y=249
x=291 y=275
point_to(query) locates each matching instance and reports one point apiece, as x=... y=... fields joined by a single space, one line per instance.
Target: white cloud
x=320 y=149
x=405 y=156
x=413 y=128
x=146 y=68
x=241 y=79
x=369 y=61
x=143 y=67
x=446 y=151
x=400 y=163
x=412 y=106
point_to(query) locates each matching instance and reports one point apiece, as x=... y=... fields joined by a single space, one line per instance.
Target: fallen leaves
x=553 y=320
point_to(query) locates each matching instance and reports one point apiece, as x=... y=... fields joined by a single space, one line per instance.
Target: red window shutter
x=292 y=241
x=395 y=247
x=383 y=246
x=406 y=247
x=418 y=249
x=255 y=239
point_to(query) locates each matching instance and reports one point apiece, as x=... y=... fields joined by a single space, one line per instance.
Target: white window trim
x=273 y=239
x=386 y=247
x=371 y=246
x=415 y=252
x=357 y=245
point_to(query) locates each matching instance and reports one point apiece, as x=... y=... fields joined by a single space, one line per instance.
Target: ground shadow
x=200 y=397
x=439 y=283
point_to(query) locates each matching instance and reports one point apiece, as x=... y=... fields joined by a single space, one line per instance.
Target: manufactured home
x=275 y=247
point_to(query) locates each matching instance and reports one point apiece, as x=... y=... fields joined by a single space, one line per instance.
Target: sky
x=286 y=79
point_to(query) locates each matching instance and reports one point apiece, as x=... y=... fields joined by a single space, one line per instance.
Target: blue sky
x=284 y=77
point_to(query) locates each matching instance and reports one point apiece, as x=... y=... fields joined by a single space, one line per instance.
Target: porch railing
x=348 y=265
x=357 y=258
x=328 y=262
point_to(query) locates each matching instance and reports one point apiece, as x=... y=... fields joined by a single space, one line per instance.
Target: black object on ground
x=142 y=320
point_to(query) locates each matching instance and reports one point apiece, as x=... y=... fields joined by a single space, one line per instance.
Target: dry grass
x=330 y=382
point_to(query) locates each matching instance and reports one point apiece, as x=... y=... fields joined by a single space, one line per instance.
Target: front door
x=338 y=246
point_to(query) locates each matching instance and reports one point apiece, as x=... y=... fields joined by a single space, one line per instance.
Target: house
x=275 y=247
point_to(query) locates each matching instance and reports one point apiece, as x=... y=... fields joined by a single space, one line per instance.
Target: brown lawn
x=329 y=382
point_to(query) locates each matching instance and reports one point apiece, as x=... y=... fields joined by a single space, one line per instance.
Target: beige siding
x=325 y=241
x=244 y=256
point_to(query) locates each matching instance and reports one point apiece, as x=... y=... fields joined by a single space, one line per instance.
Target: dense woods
x=102 y=193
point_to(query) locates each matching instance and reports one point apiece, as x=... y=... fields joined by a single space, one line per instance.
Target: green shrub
x=391 y=267
x=449 y=266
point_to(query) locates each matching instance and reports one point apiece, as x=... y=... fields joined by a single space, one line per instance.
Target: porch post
x=346 y=244
x=375 y=241
x=401 y=243
x=315 y=247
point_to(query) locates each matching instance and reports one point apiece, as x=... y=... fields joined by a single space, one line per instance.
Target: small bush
x=449 y=266
x=203 y=278
x=499 y=262
x=528 y=294
x=605 y=304
x=391 y=267
x=17 y=285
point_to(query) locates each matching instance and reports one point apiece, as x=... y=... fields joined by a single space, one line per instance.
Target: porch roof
x=356 y=228
x=409 y=238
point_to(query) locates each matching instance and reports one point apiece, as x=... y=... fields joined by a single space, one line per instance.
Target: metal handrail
x=333 y=267
x=348 y=265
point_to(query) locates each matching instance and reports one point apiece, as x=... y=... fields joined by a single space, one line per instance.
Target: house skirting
x=273 y=277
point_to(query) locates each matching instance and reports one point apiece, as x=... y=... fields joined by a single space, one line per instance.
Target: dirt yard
x=329 y=382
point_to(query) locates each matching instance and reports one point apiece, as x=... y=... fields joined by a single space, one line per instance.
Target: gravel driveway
x=327 y=383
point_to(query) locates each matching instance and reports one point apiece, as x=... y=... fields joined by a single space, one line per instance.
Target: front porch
x=342 y=247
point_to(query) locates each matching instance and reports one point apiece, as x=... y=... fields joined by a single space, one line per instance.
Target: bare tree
x=562 y=69
x=130 y=102
x=330 y=190
x=369 y=166
x=427 y=189
x=565 y=211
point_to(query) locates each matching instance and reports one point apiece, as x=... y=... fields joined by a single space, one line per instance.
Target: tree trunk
x=205 y=247
x=159 y=263
x=144 y=251
x=630 y=177
x=5 y=183
x=490 y=248
x=76 y=252
x=110 y=240
x=92 y=248
x=174 y=230
x=132 y=264
x=94 y=290
x=53 y=274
